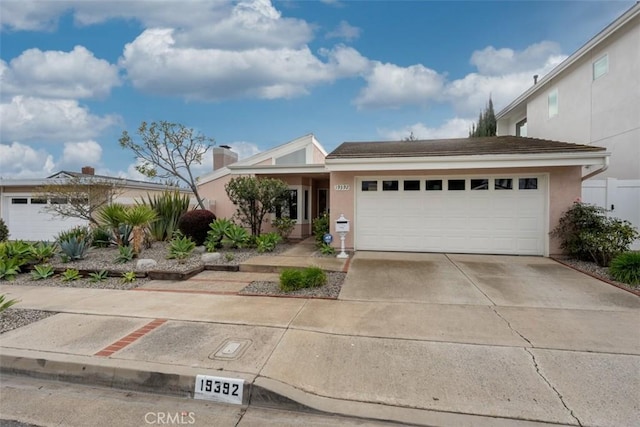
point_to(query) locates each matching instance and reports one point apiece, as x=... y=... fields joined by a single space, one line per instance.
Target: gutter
x=597 y=171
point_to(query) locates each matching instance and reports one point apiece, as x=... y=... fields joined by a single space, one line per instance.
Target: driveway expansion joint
x=535 y=364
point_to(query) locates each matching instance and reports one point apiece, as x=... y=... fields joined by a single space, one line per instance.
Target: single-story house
x=490 y=195
x=22 y=205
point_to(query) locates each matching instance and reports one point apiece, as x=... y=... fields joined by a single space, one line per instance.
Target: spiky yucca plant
x=139 y=217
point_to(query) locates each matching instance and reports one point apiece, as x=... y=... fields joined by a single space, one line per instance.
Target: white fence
x=620 y=197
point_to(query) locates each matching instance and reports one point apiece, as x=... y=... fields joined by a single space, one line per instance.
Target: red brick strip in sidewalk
x=131 y=338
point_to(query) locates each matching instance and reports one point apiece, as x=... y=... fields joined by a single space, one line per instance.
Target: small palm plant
x=112 y=216
x=139 y=217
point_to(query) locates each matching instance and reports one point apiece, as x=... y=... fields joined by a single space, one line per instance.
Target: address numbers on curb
x=218 y=389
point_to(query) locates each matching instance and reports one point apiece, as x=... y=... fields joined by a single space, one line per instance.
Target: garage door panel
x=473 y=221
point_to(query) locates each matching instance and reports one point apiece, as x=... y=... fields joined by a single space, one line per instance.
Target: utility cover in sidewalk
x=231 y=349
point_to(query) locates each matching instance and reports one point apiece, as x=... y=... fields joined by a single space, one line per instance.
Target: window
x=369 y=185
x=503 y=184
x=19 y=201
x=390 y=185
x=456 y=184
x=528 y=183
x=38 y=201
x=306 y=204
x=521 y=128
x=480 y=184
x=293 y=204
x=412 y=185
x=601 y=67
x=433 y=185
x=59 y=201
x=553 y=103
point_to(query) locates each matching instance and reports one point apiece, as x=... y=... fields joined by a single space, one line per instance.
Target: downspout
x=597 y=171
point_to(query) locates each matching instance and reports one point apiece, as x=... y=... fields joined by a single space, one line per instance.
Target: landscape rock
x=146 y=264
x=210 y=258
x=199 y=250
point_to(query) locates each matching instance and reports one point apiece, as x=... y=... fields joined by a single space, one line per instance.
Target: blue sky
x=255 y=74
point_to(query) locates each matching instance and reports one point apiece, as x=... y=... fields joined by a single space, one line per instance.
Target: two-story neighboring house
x=592 y=98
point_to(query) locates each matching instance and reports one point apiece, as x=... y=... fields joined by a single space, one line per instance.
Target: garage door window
x=38 y=201
x=369 y=185
x=390 y=185
x=456 y=185
x=433 y=185
x=412 y=185
x=479 y=184
x=503 y=184
x=528 y=184
x=19 y=201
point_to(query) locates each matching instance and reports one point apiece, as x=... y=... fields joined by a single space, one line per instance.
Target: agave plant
x=181 y=248
x=4 y=304
x=42 y=271
x=75 y=248
x=43 y=251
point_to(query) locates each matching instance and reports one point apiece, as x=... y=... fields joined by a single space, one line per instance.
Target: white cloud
x=244 y=149
x=30 y=15
x=55 y=74
x=78 y=154
x=453 y=128
x=27 y=118
x=392 y=86
x=20 y=161
x=492 y=61
x=155 y=64
x=344 y=31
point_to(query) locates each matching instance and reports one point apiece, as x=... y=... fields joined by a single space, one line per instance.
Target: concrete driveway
x=513 y=281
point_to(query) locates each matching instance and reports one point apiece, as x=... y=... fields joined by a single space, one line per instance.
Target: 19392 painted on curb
x=218 y=389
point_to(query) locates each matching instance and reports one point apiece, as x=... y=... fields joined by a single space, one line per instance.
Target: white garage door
x=27 y=220
x=484 y=214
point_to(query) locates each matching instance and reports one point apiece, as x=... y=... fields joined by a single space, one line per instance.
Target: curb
x=179 y=381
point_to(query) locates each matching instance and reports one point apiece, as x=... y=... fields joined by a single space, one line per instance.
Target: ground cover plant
x=292 y=279
x=625 y=268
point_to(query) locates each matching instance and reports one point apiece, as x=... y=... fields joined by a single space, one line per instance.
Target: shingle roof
x=456 y=147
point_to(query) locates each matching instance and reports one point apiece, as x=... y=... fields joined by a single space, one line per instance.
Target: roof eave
x=468 y=162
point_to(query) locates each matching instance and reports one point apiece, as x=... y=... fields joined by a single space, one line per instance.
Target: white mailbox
x=342 y=224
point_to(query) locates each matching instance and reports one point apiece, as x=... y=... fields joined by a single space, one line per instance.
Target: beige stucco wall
x=318 y=156
x=564 y=189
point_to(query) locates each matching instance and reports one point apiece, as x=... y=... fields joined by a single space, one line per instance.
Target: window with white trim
x=552 y=102
x=601 y=67
x=521 y=127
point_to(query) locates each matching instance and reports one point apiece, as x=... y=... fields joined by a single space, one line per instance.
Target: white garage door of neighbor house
x=483 y=214
x=27 y=220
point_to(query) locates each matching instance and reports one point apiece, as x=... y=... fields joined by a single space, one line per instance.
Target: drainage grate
x=231 y=349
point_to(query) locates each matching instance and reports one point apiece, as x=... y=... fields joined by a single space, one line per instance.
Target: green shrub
x=74 y=248
x=236 y=237
x=102 y=237
x=195 y=224
x=229 y=257
x=181 y=248
x=291 y=280
x=98 y=276
x=4 y=304
x=625 y=268
x=70 y=274
x=267 y=242
x=327 y=249
x=125 y=254
x=284 y=226
x=314 y=277
x=41 y=272
x=587 y=233
x=42 y=252
x=320 y=228
x=80 y=232
x=169 y=207
x=4 y=231
x=218 y=229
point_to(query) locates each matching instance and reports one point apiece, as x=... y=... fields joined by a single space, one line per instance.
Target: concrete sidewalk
x=463 y=362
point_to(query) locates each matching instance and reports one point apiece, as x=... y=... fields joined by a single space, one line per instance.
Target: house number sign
x=342 y=187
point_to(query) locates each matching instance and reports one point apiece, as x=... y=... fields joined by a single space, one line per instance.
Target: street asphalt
x=426 y=339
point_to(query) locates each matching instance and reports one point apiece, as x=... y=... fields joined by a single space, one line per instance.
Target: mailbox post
x=342 y=228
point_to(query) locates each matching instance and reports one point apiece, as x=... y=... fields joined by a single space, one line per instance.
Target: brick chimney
x=88 y=170
x=223 y=156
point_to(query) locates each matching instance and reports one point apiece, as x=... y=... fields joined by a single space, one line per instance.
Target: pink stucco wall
x=564 y=189
x=214 y=190
x=318 y=156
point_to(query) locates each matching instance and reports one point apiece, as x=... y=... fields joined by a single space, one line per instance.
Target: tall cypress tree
x=486 y=122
